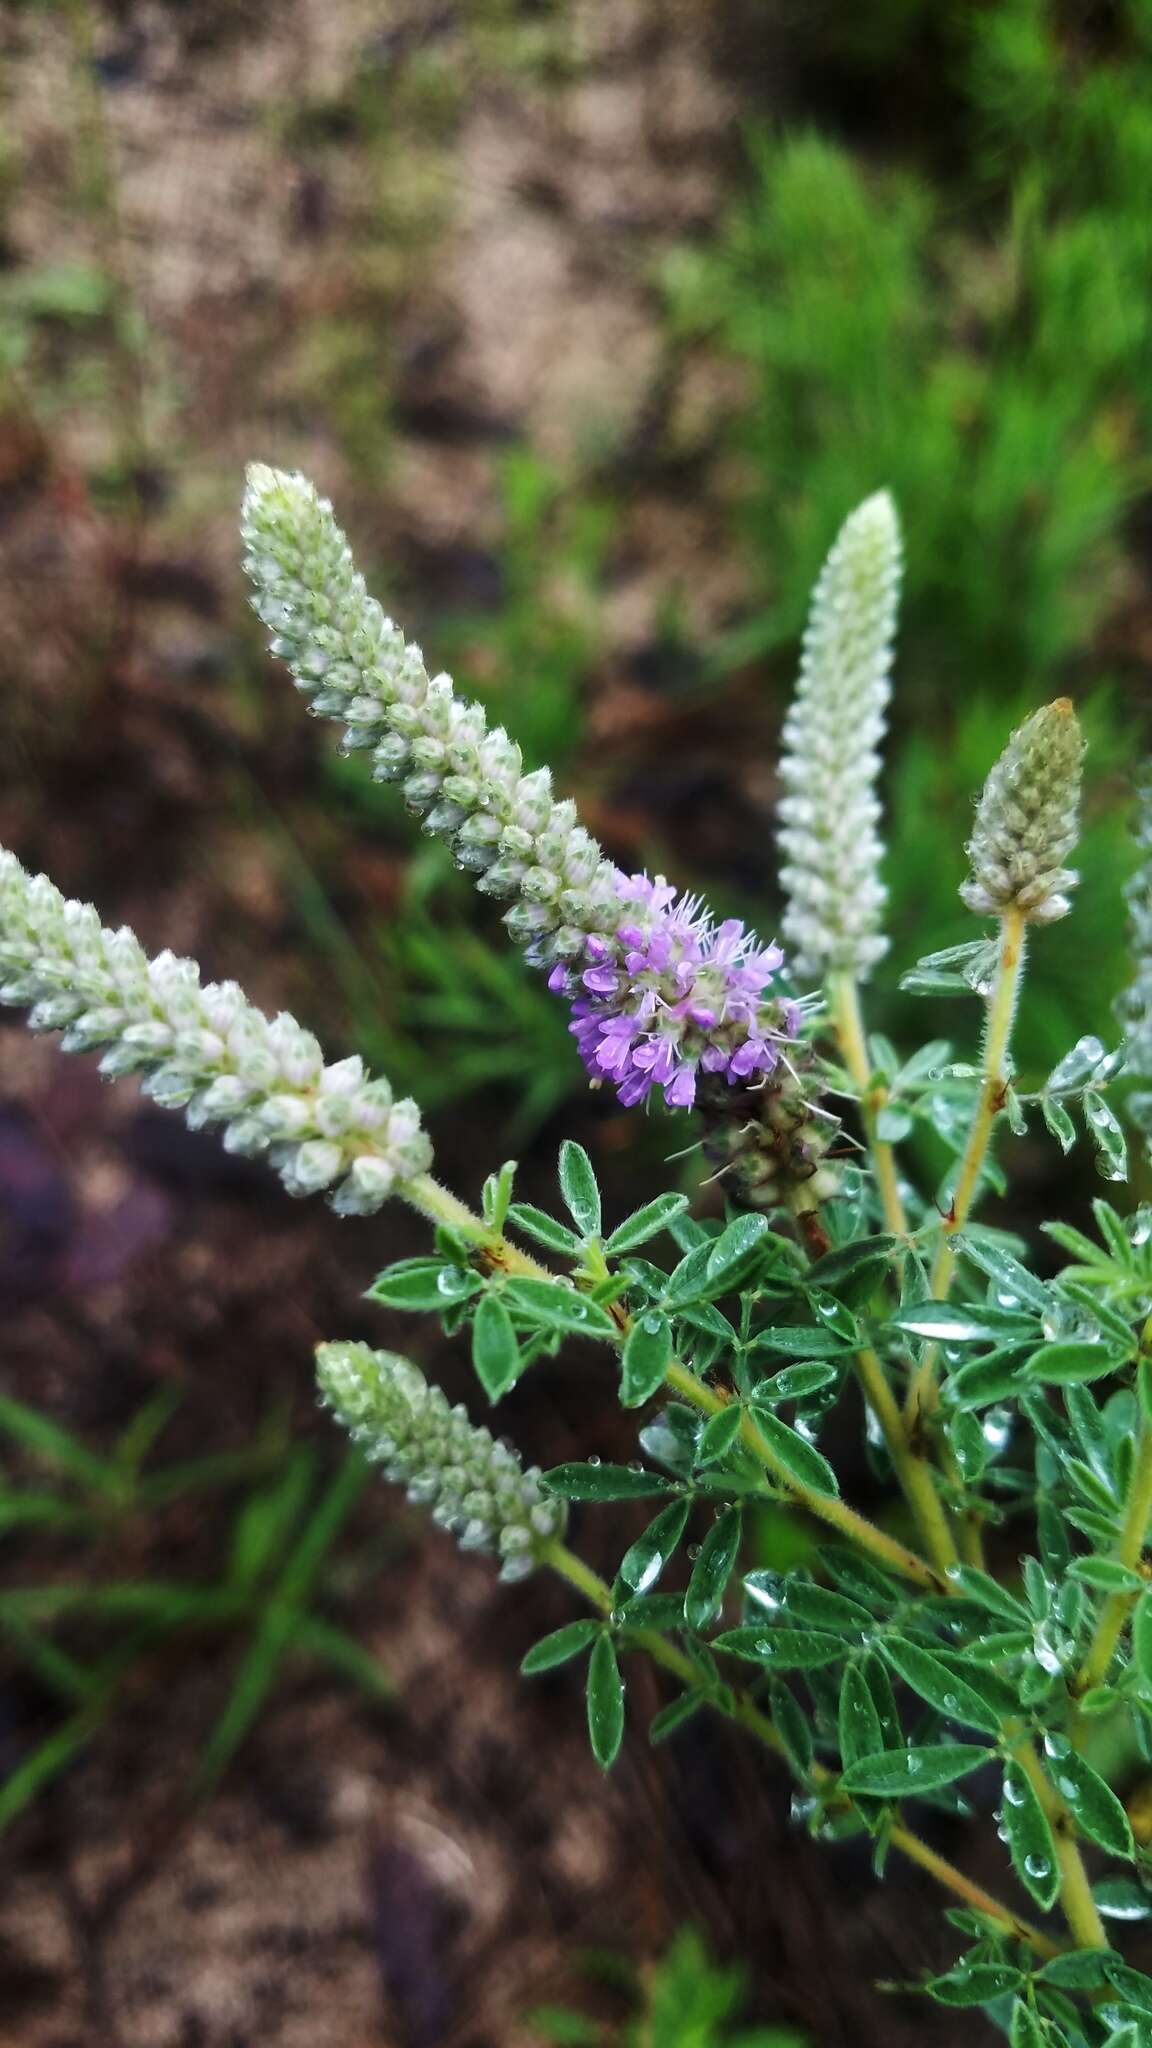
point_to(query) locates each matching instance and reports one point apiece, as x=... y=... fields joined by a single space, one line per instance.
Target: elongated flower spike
x=830 y=812
x=662 y=995
x=205 y=1049
x=1028 y=819
x=475 y=1485
x=1134 y=1006
x=465 y=782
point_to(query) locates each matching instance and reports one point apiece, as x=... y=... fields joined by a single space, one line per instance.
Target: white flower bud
x=831 y=761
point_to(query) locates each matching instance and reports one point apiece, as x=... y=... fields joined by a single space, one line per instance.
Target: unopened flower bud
x=475 y=1485
x=1028 y=819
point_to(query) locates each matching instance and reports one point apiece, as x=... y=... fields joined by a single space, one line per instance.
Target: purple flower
x=670 y=994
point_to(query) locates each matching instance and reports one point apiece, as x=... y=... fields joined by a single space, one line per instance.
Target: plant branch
x=844 y=1008
x=1129 y=1550
x=744 y=1710
x=441 y=1206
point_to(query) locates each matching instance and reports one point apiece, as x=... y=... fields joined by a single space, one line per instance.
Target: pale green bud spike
x=465 y=782
x=475 y=1486
x=1028 y=819
x=1134 y=1006
x=831 y=761
x=205 y=1049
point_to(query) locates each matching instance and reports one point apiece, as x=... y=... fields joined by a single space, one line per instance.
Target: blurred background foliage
x=595 y=323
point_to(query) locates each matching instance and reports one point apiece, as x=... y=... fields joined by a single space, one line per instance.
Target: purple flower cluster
x=670 y=994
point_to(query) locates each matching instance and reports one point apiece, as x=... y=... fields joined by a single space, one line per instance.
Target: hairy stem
x=993 y=1087
x=1001 y=1011
x=909 y=1463
x=844 y=1007
x=1129 y=1550
x=910 y=1466
x=828 y=1507
x=744 y=1710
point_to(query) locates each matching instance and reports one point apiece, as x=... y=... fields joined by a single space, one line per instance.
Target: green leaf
x=1026 y=2030
x=858 y=1723
x=792 y=1382
x=646 y=1357
x=1031 y=1844
x=800 y=1459
x=950 y=1322
x=545 y=1229
x=605 y=1703
x=557 y=1648
x=942 y=1689
x=579 y=1189
x=989 y=1593
x=646 y=1223
x=1091 y=1802
x=735 y=1254
x=783 y=1649
x=902 y=1773
x=1059 y=1122
x=495 y=1350
x=1106 y=1574
x=997 y=1376
x=1122 y=1898
x=674 y=1715
x=1067 y=1364
x=1142 y=1641
x=496 y=1196
x=972 y=1983
x=603 y=1482
x=1107 y=1136
x=713 y=1569
x=55 y=1446
x=799 y=1341
x=642 y=1565
x=1132 y=1985
x=796 y=1600
x=415 y=1285
x=719 y=1434
x=1016 y=1288
x=555 y=1307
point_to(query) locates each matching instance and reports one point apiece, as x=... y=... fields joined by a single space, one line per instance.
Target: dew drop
x=1038 y=1867
x=652 y=1323
x=594 y=1459
x=950 y=1703
x=1014 y=1792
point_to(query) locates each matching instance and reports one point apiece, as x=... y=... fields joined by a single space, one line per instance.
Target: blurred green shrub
x=84 y=1643
x=687 y=2001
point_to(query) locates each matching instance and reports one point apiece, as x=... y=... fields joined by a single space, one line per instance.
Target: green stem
x=828 y=1507
x=911 y=1467
x=997 y=1035
x=744 y=1710
x=1129 y=1551
x=844 y=1007
x=441 y=1206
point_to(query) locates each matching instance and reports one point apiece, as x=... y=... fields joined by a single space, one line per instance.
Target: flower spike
x=205 y=1049
x=830 y=763
x=1028 y=819
x=475 y=1485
